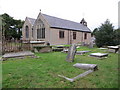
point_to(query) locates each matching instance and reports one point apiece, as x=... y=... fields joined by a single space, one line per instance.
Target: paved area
x=18 y=54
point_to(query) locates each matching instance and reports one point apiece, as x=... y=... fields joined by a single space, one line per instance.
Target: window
x=32 y=32
x=61 y=34
x=74 y=35
x=27 y=31
x=85 y=36
x=40 y=30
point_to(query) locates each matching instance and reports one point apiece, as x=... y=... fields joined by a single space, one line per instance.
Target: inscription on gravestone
x=71 y=53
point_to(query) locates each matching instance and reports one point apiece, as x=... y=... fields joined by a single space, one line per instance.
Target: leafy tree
x=12 y=27
x=117 y=37
x=105 y=34
x=94 y=31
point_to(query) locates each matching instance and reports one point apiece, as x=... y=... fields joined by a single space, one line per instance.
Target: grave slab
x=17 y=54
x=102 y=48
x=113 y=49
x=100 y=55
x=86 y=66
x=81 y=52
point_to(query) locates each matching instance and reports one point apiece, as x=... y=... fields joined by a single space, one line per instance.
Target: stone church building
x=55 y=31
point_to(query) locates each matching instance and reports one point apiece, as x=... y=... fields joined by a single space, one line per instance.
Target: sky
x=95 y=12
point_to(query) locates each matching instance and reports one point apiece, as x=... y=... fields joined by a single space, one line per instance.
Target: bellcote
x=83 y=22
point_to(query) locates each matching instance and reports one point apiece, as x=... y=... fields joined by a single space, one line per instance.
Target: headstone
x=35 y=50
x=91 y=45
x=45 y=49
x=71 y=53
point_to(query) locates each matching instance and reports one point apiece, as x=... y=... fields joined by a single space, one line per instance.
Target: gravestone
x=17 y=54
x=71 y=53
x=100 y=55
x=35 y=50
x=91 y=45
x=86 y=66
x=113 y=49
x=81 y=52
x=45 y=49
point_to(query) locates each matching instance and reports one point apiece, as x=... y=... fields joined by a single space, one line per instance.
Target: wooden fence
x=15 y=45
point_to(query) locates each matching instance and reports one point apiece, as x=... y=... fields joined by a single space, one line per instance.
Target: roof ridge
x=61 y=18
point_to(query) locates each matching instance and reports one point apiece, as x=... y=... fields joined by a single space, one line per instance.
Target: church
x=55 y=31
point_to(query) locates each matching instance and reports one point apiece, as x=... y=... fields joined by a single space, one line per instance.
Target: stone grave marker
x=99 y=55
x=71 y=53
x=113 y=49
x=91 y=45
x=45 y=49
x=81 y=52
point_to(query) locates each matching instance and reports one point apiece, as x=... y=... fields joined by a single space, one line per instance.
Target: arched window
x=40 y=30
x=85 y=36
x=27 y=31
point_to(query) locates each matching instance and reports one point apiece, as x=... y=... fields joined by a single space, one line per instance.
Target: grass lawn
x=43 y=72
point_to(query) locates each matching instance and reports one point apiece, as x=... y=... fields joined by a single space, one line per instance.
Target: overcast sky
x=95 y=12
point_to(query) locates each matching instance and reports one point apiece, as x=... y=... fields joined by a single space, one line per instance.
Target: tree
x=94 y=31
x=105 y=34
x=12 y=27
x=18 y=27
x=117 y=37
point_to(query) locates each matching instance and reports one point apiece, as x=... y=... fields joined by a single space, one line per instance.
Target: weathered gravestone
x=113 y=49
x=46 y=49
x=17 y=54
x=99 y=55
x=81 y=52
x=86 y=66
x=91 y=45
x=71 y=53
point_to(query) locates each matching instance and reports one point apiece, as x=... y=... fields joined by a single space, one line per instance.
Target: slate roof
x=55 y=22
x=32 y=20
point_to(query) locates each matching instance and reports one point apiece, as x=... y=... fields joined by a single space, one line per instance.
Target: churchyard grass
x=43 y=72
